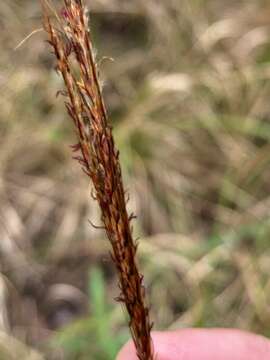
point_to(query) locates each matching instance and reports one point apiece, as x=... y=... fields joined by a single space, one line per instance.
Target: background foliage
x=188 y=95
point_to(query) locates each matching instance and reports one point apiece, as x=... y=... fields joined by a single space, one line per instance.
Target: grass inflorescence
x=70 y=39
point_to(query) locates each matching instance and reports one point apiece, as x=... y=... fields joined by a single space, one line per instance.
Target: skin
x=204 y=344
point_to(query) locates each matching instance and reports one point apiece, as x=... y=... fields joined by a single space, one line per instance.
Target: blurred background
x=188 y=94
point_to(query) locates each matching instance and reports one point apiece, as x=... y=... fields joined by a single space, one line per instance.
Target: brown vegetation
x=188 y=97
x=99 y=157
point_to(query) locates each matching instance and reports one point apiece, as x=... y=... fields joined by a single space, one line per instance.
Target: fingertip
x=127 y=352
x=204 y=344
x=166 y=347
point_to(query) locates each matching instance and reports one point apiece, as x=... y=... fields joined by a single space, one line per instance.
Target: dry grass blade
x=99 y=157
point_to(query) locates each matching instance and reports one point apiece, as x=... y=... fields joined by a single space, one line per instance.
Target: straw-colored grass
x=188 y=94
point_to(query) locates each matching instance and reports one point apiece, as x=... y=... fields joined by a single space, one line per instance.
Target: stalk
x=70 y=38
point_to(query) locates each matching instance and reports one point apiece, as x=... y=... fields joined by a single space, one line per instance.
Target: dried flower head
x=70 y=39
